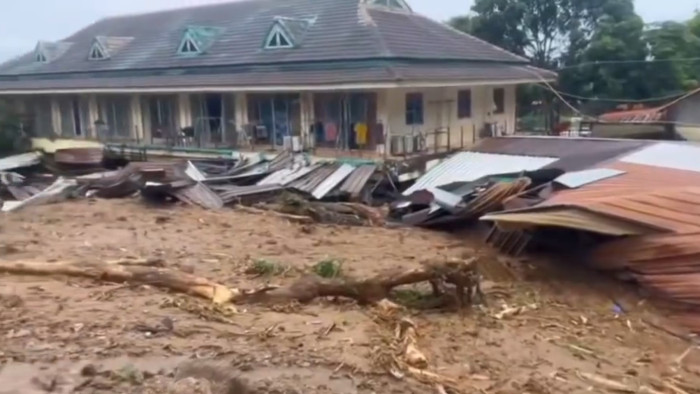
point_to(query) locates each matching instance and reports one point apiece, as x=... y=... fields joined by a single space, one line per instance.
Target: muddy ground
x=61 y=334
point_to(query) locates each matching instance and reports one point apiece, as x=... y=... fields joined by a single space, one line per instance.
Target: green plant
x=263 y=267
x=329 y=269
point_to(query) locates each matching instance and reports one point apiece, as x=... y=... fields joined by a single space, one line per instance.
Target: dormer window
x=197 y=39
x=188 y=47
x=278 y=38
x=97 y=53
x=287 y=32
x=41 y=58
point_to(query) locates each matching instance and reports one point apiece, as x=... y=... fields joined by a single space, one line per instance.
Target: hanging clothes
x=361 y=134
x=331 y=130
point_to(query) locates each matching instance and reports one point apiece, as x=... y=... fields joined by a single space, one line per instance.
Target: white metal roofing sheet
x=288 y=175
x=470 y=166
x=19 y=161
x=332 y=181
x=577 y=179
x=668 y=155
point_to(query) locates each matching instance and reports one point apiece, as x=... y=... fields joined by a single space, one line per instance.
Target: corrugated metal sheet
x=199 y=194
x=567 y=217
x=357 y=180
x=574 y=154
x=668 y=155
x=666 y=264
x=283 y=160
x=310 y=182
x=654 y=197
x=445 y=200
x=288 y=175
x=470 y=166
x=645 y=115
x=20 y=161
x=332 y=181
x=194 y=173
x=580 y=178
x=234 y=193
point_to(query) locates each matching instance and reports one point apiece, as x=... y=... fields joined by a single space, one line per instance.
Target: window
x=41 y=58
x=464 y=104
x=277 y=38
x=188 y=46
x=96 y=53
x=499 y=96
x=114 y=116
x=414 y=109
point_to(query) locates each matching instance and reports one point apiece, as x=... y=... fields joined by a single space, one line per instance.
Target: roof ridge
x=365 y=18
x=182 y=8
x=496 y=47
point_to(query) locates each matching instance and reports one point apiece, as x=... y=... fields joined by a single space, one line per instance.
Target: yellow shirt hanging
x=361 y=133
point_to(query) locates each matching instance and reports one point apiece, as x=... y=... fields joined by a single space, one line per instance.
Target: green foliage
x=600 y=47
x=263 y=267
x=329 y=269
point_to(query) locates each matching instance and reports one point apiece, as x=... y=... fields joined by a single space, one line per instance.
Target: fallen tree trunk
x=130 y=272
x=365 y=291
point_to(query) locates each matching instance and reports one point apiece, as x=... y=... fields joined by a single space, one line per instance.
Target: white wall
x=440 y=110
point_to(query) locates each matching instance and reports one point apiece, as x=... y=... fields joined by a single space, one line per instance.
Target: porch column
x=307 y=116
x=136 y=118
x=383 y=119
x=92 y=116
x=240 y=103
x=511 y=108
x=55 y=116
x=184 y=111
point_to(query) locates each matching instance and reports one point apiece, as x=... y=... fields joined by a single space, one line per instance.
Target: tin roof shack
x=678 y=119
x=644 y=218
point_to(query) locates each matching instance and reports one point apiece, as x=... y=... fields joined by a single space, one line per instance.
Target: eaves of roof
x=263 y=77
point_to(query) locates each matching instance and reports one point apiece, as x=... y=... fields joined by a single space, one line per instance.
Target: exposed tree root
x=370 y=290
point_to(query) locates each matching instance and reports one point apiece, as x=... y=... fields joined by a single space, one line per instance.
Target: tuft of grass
x=410 y=296
x=329 y=269
x=263 y=267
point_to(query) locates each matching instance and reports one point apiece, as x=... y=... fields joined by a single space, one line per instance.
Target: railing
x=439 y=140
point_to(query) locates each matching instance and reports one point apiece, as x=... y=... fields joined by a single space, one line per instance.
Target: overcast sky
x=24 y=22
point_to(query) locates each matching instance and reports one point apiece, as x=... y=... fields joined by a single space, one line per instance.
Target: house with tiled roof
x=369 y=75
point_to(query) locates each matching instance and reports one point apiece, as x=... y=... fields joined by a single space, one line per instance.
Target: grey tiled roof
x=343 y=30
x=261 y=76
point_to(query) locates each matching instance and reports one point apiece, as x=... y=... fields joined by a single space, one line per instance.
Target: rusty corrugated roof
x=644 y=115
x=665 y=198
x=666 y=264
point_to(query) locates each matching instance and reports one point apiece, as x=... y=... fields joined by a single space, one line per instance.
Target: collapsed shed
x=647 y=211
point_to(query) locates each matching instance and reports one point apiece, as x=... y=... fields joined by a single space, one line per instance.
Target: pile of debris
x=635 y=214
x=456 y=191
x=328 y=192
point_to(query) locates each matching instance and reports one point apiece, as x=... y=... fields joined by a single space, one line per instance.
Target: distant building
x=677 y=120
x=340 y=74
